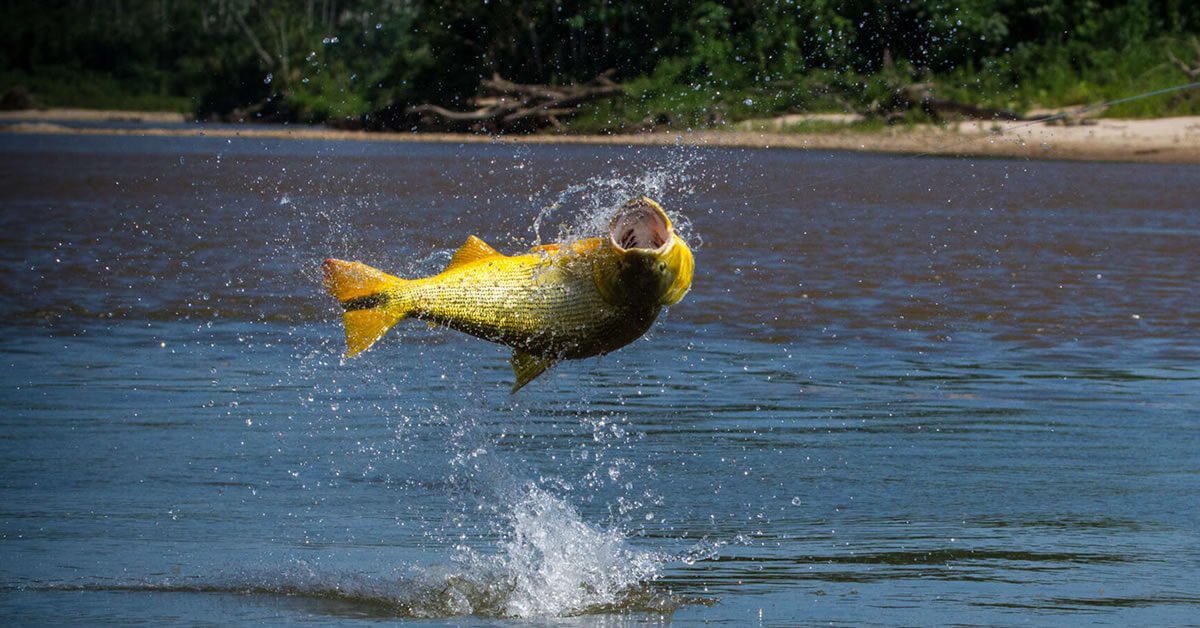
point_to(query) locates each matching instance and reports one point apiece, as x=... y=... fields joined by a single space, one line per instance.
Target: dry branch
x=1191 y=71
x=921 y=97
x=504 y=106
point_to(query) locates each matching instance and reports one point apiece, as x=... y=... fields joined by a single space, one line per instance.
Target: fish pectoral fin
x=527 y=367
x=472 y=250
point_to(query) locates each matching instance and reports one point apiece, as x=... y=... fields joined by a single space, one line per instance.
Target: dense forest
x=367 y=63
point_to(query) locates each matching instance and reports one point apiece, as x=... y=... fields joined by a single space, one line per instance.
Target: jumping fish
x=556 y=302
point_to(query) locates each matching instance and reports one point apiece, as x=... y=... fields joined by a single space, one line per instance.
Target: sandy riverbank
x=1163 y=140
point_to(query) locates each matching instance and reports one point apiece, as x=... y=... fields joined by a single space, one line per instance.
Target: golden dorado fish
x=557 y=302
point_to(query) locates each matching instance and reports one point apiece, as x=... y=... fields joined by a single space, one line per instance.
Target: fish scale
x=538 y=303
x=555 y=303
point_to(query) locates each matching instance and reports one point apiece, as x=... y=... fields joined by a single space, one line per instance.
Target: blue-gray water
x=901 y=391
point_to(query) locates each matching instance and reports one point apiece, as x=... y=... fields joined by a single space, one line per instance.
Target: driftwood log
x=921 y=96
x=907 y=96
x=505 y=106
x=1190 y=71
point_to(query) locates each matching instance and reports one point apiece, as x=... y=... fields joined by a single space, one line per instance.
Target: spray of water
x=552 y=563
x=585 y=210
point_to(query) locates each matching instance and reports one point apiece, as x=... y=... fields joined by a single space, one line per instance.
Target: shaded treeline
x=682 y=62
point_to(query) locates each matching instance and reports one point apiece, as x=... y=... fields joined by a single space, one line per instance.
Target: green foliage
x=685 y=64
x=66 y=87
x=1074 y=75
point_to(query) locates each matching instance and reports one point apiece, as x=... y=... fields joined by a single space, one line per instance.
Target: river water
x=901 y=391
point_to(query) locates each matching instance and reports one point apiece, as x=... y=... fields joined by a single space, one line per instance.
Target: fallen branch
x=921 y=96
x=1192 y=72
x=505 y=106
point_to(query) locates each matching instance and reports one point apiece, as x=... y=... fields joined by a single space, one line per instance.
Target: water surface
x=901 y=391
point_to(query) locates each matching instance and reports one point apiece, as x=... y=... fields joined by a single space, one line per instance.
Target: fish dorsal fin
x=527 y=367
x=472 y=250
x=545 y=248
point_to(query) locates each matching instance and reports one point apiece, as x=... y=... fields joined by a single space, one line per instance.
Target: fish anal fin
x=472 y=250
x=364 y=327
x=527 y=367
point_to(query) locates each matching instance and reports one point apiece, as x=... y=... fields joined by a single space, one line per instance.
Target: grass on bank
x=1074 y=76
x=58 y=87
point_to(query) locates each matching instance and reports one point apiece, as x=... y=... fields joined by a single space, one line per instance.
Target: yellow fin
x=473 y=249
x=351 y=280
x=545 y=248
x=527 y=367
x=371 y=298
x=364 y=327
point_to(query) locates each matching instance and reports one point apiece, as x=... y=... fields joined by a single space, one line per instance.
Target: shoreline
x=1159 y=140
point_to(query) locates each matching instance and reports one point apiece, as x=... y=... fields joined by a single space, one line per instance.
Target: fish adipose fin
x=527 y=367
x=472 y=250
x=371 y=298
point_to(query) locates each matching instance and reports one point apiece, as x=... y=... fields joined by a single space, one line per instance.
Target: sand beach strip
x=1161 y=140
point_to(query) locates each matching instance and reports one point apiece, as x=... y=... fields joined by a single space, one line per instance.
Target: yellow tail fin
x=371 y=298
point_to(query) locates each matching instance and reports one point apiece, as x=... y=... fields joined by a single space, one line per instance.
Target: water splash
x=589 y=207
x=547 y=560
x=557 y=564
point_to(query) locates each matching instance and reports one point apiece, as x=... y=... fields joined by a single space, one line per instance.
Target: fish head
x=649 y=262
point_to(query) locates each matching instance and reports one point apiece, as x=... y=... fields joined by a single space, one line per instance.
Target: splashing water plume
x=558 y=564
x=547 y=560
x=592 y=205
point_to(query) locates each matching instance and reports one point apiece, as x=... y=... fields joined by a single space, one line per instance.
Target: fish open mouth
x=641 y=224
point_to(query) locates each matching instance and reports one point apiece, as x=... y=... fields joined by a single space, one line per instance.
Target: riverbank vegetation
x=360 y=64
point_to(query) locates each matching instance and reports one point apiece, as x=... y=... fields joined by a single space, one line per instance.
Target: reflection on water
x=901 y=391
